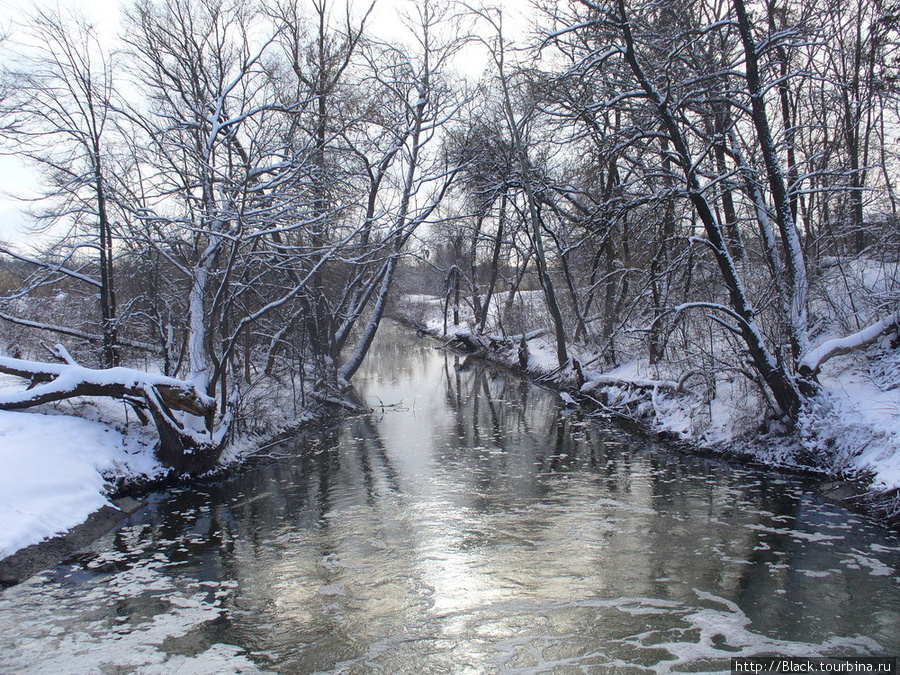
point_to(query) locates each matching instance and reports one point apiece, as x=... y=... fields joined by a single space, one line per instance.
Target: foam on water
x=135 y=620
x=478 y=530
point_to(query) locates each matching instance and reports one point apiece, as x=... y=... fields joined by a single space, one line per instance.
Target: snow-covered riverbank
x=58 y=469
x=850 y=431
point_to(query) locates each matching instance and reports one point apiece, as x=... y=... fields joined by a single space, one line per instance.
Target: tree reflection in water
x=470 y=523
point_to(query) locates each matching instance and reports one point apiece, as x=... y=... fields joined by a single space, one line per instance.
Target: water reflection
x=469 y=524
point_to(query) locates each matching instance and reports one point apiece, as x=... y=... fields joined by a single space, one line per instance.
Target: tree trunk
x=795 y=265
x=481 y=321
x=546 y=280
x=183 y=414
x=779 y=382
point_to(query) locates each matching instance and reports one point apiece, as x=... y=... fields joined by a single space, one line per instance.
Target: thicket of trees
x=235 y=184
x=689 y=173
x=236 y=187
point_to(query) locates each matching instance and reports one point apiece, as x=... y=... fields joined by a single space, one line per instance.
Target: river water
x=470 y=524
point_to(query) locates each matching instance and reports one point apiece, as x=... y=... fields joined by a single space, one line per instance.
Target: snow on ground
x=858 y=417
x=851 y=430
x=57 y=468
x=56 y=471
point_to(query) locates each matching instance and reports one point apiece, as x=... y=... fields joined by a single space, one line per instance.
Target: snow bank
x=856 y=421
x=56 y=470
x=850 y=430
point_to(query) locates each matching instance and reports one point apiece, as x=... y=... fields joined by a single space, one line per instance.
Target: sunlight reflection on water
x=467 y=525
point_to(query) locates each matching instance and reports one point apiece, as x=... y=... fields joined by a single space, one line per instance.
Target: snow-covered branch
x=51 y=267
x=73 y=332
x=183 y=414
x=812 y=360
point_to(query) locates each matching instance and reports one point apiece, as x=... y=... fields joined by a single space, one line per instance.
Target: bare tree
x=417 y=80
x=211 y=162
x=517 y=125
x=699 y=78
x=60 y=106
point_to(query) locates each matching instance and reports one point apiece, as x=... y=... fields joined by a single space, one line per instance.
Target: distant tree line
x=234 y=188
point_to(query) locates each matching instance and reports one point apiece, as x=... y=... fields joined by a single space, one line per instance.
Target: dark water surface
x=469 y=525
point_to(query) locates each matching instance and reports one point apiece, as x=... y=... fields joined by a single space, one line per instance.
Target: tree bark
x=184 y=445
x=795 y=265
x=779 y=382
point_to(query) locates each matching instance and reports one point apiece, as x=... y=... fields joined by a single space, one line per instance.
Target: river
x=470 y=524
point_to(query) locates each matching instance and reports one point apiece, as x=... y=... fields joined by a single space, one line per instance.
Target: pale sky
x=17 y=179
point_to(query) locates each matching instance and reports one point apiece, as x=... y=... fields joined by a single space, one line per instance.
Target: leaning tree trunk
x=183 y=415
x=779 y=381
x=794 y=263
x=481 y=321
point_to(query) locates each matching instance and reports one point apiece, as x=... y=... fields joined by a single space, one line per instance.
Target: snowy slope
x=857 y=419
x=55 y=472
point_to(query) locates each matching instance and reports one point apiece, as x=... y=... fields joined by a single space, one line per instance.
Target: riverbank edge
x=856 y=494
x=128 y=496
x=28 y=561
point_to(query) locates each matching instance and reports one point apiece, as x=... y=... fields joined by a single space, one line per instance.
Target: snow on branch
x=72 y=332
x=715 y=306
x=60 y=267
x=56 y=381
x=812 y=360
x=182 y=413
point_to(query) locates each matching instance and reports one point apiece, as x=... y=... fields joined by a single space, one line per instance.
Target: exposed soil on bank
x=30 y=560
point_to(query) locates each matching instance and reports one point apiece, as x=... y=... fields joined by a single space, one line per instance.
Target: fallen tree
x=814 y=358
x=183 y=415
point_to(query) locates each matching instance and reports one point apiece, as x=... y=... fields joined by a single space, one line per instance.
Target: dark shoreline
x=127 y=499
x=854 y=494
x=28 y=561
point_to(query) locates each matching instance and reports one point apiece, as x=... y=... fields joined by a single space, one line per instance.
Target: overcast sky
x=16 y=179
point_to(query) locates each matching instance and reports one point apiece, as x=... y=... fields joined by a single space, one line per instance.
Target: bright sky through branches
x=18 y=182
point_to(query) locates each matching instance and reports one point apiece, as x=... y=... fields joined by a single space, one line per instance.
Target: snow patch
x=56 y=470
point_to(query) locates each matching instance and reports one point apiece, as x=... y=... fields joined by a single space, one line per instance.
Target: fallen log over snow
x=183 y=415
x=812 y=360
x=474 y=344
x=466 y=342
x=601 y=381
